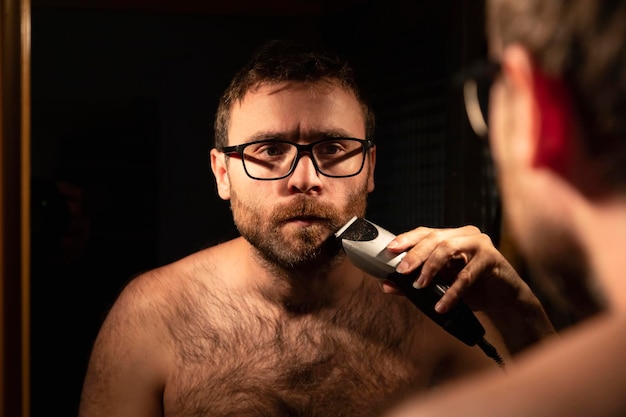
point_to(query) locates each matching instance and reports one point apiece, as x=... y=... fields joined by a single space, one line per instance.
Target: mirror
x=123 y=99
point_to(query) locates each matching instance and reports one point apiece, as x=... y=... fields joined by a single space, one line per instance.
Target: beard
x=283 y=244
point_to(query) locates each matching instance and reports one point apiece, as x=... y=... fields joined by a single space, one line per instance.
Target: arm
x=127 y=367
x=580 y=374
x=480 y=275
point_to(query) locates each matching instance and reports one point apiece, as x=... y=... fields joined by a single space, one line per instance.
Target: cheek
x=248 y=206
x=502 y=131
x=353 y=199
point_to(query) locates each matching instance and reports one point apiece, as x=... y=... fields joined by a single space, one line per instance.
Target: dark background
x=123 y=99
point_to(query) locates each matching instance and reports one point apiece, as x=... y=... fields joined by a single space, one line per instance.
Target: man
x=557 y=130
x=277 y=322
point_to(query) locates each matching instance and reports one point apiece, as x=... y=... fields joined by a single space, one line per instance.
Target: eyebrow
x=295 y=136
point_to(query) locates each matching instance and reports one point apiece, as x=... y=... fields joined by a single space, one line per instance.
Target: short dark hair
x=279 y=60
x=583 y=43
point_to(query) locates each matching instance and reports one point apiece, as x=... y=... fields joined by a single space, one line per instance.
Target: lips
x=309 y=220
x=301 y=210
x=304 y=212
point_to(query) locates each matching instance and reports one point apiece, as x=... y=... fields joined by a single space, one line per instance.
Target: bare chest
x=295 y=368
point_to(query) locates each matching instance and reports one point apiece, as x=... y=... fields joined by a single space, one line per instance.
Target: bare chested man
x=277 y=322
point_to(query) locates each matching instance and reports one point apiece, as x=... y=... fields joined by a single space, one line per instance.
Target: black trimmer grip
x=459 y=321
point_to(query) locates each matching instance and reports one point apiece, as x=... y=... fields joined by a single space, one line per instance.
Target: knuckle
x=473 y=229
x=487 y=238
x=464 y=278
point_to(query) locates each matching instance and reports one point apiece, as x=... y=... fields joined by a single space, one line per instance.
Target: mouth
x=304 y=221
x=305 y=213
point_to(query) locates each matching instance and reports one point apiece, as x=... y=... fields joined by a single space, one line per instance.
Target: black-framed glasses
x=277 y=159
x=477 y=80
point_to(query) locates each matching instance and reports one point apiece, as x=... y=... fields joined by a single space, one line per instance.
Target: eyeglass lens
x=333 y=157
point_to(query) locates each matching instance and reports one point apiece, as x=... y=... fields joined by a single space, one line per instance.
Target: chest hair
x=235 y=360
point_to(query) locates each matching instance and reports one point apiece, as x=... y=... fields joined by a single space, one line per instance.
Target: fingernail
x=419 y=283
x=393 y=244
x=402 y=267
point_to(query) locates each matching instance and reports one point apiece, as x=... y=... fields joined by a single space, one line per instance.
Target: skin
x=286 y=326
x=569 y=224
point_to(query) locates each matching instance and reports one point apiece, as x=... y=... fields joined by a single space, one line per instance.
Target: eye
x=329 y=148
x=270 y=149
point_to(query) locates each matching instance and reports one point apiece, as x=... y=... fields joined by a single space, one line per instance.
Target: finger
x=448 y=256
x=437 y=249
x=427 y=235
x=389 y=287
x=455 y=292
x=421 y=250
x=407 y=240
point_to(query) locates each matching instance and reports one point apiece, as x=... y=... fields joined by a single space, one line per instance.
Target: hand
x=466 y=259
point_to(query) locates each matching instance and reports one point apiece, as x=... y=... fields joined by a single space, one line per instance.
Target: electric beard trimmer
x=365 y=245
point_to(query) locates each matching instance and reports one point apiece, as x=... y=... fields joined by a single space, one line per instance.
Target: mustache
x=307 y=208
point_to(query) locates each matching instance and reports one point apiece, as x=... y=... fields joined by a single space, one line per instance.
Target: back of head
x=583 y=43
x=284 y=60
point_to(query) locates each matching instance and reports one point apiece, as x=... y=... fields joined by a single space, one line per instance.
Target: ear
x=542 y=106
x=372 y=158
x=555 y=144
x=220 y=170
x=518 y=105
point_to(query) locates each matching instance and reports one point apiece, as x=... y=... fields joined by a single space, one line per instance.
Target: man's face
x=289 y=219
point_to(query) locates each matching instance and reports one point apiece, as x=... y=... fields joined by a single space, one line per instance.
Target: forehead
x=296 y=110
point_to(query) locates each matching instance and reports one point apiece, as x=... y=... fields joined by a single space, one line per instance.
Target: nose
x=304 y=178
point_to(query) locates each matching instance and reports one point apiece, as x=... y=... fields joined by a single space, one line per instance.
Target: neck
x=603 y=223
x=303 y=289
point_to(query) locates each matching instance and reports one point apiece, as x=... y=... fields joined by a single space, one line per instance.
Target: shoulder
x=186 y=283
x=557 y=377
x=199 y=285
x=154 y=303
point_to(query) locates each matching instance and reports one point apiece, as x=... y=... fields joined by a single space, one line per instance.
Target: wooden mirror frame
x=15 y=208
